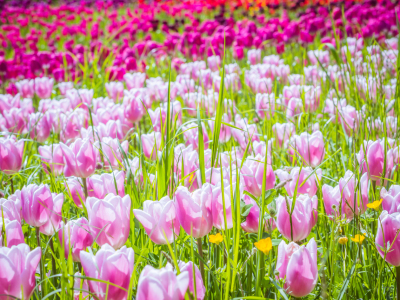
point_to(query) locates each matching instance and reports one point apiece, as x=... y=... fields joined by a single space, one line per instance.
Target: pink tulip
x=294 y=108
x=310 y=147
x=213 y=175
x=13 y=230
x=109 y=265
x=8 y=102
x=11 y=154
x=19 y=265
x=249 y=131
x=391 y=199
x=71 y=124
x=192 y=100
x=151 y=144
x=109 y=219
x=74 y=188
x=265 y=105
x=254 y=56
x=218 y=207
x=194 y=210
x=387 y=240
x=39 y=127
x=115 y=90
x=200 y=288
x=80 y=158
x=15 y=120
x=133 y=107
x=298 y=266
x=111 y=151
x=225 y=132
x=214 y=62
x=159 y=219
x=52 y=159
x=186 y=164
x=51 y=226
x=134 y=80
x=162 y=284
x=354 y=200
x=44 y=87
x=252 y=220
x=332 y=200
x=283 y=133
x=101 y=185
x=37 y=204
x=76 y=235
x=80 y=287
x=304 y=216
x=80 y=97
x=253 y=173
x=371 y=158
x=11 y=208
x=26 y=88
x=306 y=184
x=64 y=87
x=318 y=57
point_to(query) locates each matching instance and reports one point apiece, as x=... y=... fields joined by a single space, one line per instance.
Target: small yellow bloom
x=343 y=240
x=264 y=245
x=375 y=205
x=216 y=239
x=359 y=238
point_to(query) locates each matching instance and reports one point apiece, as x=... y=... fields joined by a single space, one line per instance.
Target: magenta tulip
x=52 y=159
x=162 y=284
x=109 y=219
x=387 y=240
x=109 y=265
x=297 y=265
x=37 y=204
x=194 y=210
x=391 y=199
x=18 y=268
x=11 y=153
x=304 y=216
x=80 y=158
x=200 y=288
x=159 y=219
x=77 y=236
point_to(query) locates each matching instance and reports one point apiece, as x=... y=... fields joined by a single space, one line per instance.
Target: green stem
x=85 y=187
x=41 y=260
x=200 y=247
x=398 y=282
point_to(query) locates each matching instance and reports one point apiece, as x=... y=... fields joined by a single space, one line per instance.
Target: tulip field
x=210 y=149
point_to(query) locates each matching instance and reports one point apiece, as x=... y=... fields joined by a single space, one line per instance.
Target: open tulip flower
x=80 y=158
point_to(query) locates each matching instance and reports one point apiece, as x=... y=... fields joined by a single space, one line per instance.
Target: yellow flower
x=216 y=239
x=359 y=238
x=264 y=245
x=343 y=240
x=375 y=205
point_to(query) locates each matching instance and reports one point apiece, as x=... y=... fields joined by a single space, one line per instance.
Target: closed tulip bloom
x=75 y=234
x=303 y=218
x=151 y=144
x=64 y=87
x=298 y=266
x=134 y=80
x=26 y=88
x=75 y=189
x=71 y=124
x=200 y=288
x=305 y=180
x=111 y=216
x=19 y=265
x=11 y=208
x=80 y=158
x=371 y=158
x=391 y=199
x=133 y=108
x=194 y=210
x=15 y=120
x=186 y=165
x=283 y=133
x=162 y=284
x=159 y=219
x=214 y=62
x=265 y=105
x=44 y=87
x=51 y=226
x=355 y=200
x=218 y=207
x=37 y=204
x=14 y=235
x=310 y=147
x=52 y=159
x=100 y=186
x=386 y=235
x=191 y=135
x=332 y=200
x=39 y=127
x=78 y=290
x=82 y=97
x=11 y=153
x=251 y=223
x=225 y=132
x=112 y=153
x=109 y=265
x=253 y=174
x=115 y=90
x=254 y=56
